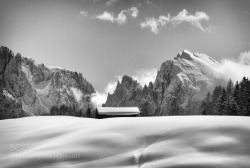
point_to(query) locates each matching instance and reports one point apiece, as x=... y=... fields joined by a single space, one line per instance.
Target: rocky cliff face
x=27 y=88
x=179 y=87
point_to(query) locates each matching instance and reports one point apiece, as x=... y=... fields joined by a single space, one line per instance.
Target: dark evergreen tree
x=202 y=108
x=145 y=109
x=230 y=87
x=206 y=105
x=236 y=93
x=231 y=105
x=214 y=99
x=88 y=113
x=232 y=100
x=243 y=97
x=54 y=110
x=248 y=98
x=63 y=110
x=221 y=105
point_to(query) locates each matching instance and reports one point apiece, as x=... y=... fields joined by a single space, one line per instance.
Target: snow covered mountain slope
x=27 y=88
x=185 y=81
x=146 y=142
x=179 y=87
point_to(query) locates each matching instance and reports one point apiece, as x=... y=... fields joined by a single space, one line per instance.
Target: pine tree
x=145 y=109
x=214 y=99
x=231 y=106
x=88 y=113
x=230 y=87
x=248 y=98
x=236 y=96
x=232 y=100
x=54 y=110
x=202 y=108
x=221 y=105
x=243 y=97
x=236 y=93
x=63 y=110
x=234 y=109
x=206 y=105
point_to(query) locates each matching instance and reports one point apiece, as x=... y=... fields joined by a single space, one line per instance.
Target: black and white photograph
x=124 y=83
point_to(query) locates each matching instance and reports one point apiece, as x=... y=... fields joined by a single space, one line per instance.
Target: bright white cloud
x=121 y=18
x=194 y=20
x=99 y=98
x=110 y=2
x=106 y=16
x=145 y=76
x=155 y=24
x=133 y=12
x=110 y=88
x=84 y=13
x=236 y=70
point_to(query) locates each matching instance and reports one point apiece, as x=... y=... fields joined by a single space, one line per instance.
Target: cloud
x=245 y=58
x=110 y=88
x=83 y=13
x=145 y=76
x=121 y=18
x=133 y=12
x=155 y=24
x=106 y=16
x=110 y=2
x=99 y=98
x=195 y=20
x=236 y=69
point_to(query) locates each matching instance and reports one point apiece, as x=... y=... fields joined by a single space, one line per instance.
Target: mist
x=236 y=69
x=142 y=76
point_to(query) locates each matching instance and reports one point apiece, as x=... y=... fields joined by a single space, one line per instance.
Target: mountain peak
x=194 y=56
x=185 y=54
x=38 y=86
x=128 y=82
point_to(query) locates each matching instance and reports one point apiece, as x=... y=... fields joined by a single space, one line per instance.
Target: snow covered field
x=148 y=142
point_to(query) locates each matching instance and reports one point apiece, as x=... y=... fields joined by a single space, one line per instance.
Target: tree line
x=70 y=111
x=233 y=99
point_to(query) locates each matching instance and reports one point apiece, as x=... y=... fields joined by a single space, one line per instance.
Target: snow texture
x=77 y=94
x=148 y=142
x=27 y=72
x=118 y=110
x=7 y=94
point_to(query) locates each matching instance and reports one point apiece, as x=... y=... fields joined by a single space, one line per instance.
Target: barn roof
x=118 y=110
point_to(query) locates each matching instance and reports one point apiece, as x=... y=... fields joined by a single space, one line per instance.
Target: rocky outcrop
x=32 y=89
x=129 y=93
x=180 y=86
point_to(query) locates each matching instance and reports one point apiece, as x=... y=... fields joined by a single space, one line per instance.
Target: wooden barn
x=107 y=112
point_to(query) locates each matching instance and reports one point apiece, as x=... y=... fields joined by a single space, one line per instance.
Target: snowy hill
x=179 y=87
x=177 y=141
x=27 y=88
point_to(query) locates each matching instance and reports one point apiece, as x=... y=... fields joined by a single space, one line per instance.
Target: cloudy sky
x=104 y=39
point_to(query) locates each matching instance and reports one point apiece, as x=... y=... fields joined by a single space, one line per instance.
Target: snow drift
x=178 y=141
